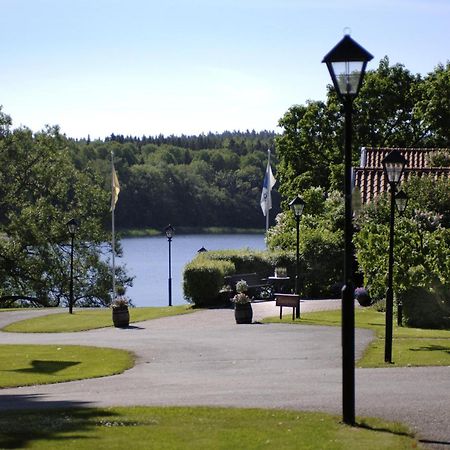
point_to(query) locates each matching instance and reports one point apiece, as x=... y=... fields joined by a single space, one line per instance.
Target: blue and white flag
x=268 y=184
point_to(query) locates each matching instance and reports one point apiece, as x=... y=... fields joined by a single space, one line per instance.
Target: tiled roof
x=370 y=178
x=416 y=157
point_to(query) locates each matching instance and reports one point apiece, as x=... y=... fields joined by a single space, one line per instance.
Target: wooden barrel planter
x=243 y=313
x=121 y=317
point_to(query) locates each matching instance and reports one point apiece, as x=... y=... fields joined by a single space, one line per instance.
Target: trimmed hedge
x=426 y=308
x=203 y=279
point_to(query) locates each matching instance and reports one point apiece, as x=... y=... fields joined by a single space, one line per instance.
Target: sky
x=150 y=67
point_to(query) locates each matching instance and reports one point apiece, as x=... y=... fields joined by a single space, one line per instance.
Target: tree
x=421 y=268
x=321 y=241
x=393 y=109
x=422 y=241
x=433 y=106
x=40 y=190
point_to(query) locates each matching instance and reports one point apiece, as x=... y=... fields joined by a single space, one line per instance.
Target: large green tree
x=40 y=190
x=422 y=238
x=394 y=108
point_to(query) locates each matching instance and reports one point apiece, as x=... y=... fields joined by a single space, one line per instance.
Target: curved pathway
x=204 y=358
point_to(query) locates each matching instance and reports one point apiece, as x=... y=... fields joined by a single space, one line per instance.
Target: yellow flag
x=115 y=189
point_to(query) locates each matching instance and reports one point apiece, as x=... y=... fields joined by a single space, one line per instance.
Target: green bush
x=426 y=308
x=203 y=279
x=322 y=252
x=321 y=242
x=245 y=261
x=204 y=276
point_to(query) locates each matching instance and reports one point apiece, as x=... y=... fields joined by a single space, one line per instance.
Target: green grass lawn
x=88 y=319
x=22 y=365
x=194 y=428
x=411 y=346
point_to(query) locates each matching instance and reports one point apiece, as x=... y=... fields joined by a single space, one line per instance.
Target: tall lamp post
x=72 y=226
x=169 y=233
x=401 y=202
x=393 y=166
x=347 y=63
x=297 y=205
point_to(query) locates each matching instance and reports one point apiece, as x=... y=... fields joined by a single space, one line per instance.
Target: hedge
x=203 y=277
x=426 y=308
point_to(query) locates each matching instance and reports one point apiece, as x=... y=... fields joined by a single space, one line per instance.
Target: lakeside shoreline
x=152 y=232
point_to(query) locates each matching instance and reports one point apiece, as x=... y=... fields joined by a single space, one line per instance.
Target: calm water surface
x=148 y=260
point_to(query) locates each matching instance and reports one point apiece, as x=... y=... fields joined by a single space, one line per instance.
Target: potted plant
x=243 y=312
x=120 y=313
x=280 y=272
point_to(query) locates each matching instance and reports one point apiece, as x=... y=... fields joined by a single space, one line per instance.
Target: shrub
x=203 y=279
x=322 y=254
x=319 y=273
x=245 y=261
x=363 y=296
x=426 y=308
x=321 y=243
x=379 y=305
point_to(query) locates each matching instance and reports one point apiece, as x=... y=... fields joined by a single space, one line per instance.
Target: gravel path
x=204 y=358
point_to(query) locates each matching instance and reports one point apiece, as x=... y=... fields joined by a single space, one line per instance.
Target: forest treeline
x=205 y=180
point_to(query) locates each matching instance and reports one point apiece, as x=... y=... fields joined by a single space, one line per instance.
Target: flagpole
x=267 y=206
x=113 y=240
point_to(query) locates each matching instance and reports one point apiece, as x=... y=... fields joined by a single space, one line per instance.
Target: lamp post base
x=348 y=354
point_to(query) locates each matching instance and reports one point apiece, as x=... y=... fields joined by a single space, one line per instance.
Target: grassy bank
x=88 y=319
x=22 y=365
x=411 y=346
x=194 y=428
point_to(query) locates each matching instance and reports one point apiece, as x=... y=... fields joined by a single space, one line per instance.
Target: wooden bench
x=255 y=283
x=290 y=301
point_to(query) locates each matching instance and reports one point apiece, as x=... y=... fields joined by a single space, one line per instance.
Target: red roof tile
x=370 y=178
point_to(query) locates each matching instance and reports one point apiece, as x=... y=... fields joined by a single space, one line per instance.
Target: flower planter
x=121 y=317
x=243 y=312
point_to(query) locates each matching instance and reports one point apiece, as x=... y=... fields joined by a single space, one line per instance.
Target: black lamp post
x=297 y=205
x=72 y=226
x=169 y=233
x=401 y=202
x=347 y=63
x=393 y=166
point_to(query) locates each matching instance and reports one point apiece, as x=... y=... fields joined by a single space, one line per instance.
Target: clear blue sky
x=189 y=66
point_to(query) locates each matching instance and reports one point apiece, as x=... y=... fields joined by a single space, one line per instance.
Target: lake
x=147 y=259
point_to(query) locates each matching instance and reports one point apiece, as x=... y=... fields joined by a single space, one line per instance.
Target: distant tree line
x=191 y=181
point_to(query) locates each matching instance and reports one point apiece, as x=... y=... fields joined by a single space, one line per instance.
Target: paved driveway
x=206 y=359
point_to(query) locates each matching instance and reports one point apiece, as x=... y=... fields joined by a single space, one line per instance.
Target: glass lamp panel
x=401 y=201
x=72 y=226
x=169 y=231
x=297 y=206
x=298 y=209
x=393 y=171
x=348 y=76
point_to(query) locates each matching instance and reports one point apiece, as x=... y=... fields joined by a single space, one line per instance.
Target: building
x=371 y=181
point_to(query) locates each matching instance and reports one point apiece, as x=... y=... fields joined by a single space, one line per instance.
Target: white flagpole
x=267 y=206
x=113 y=240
